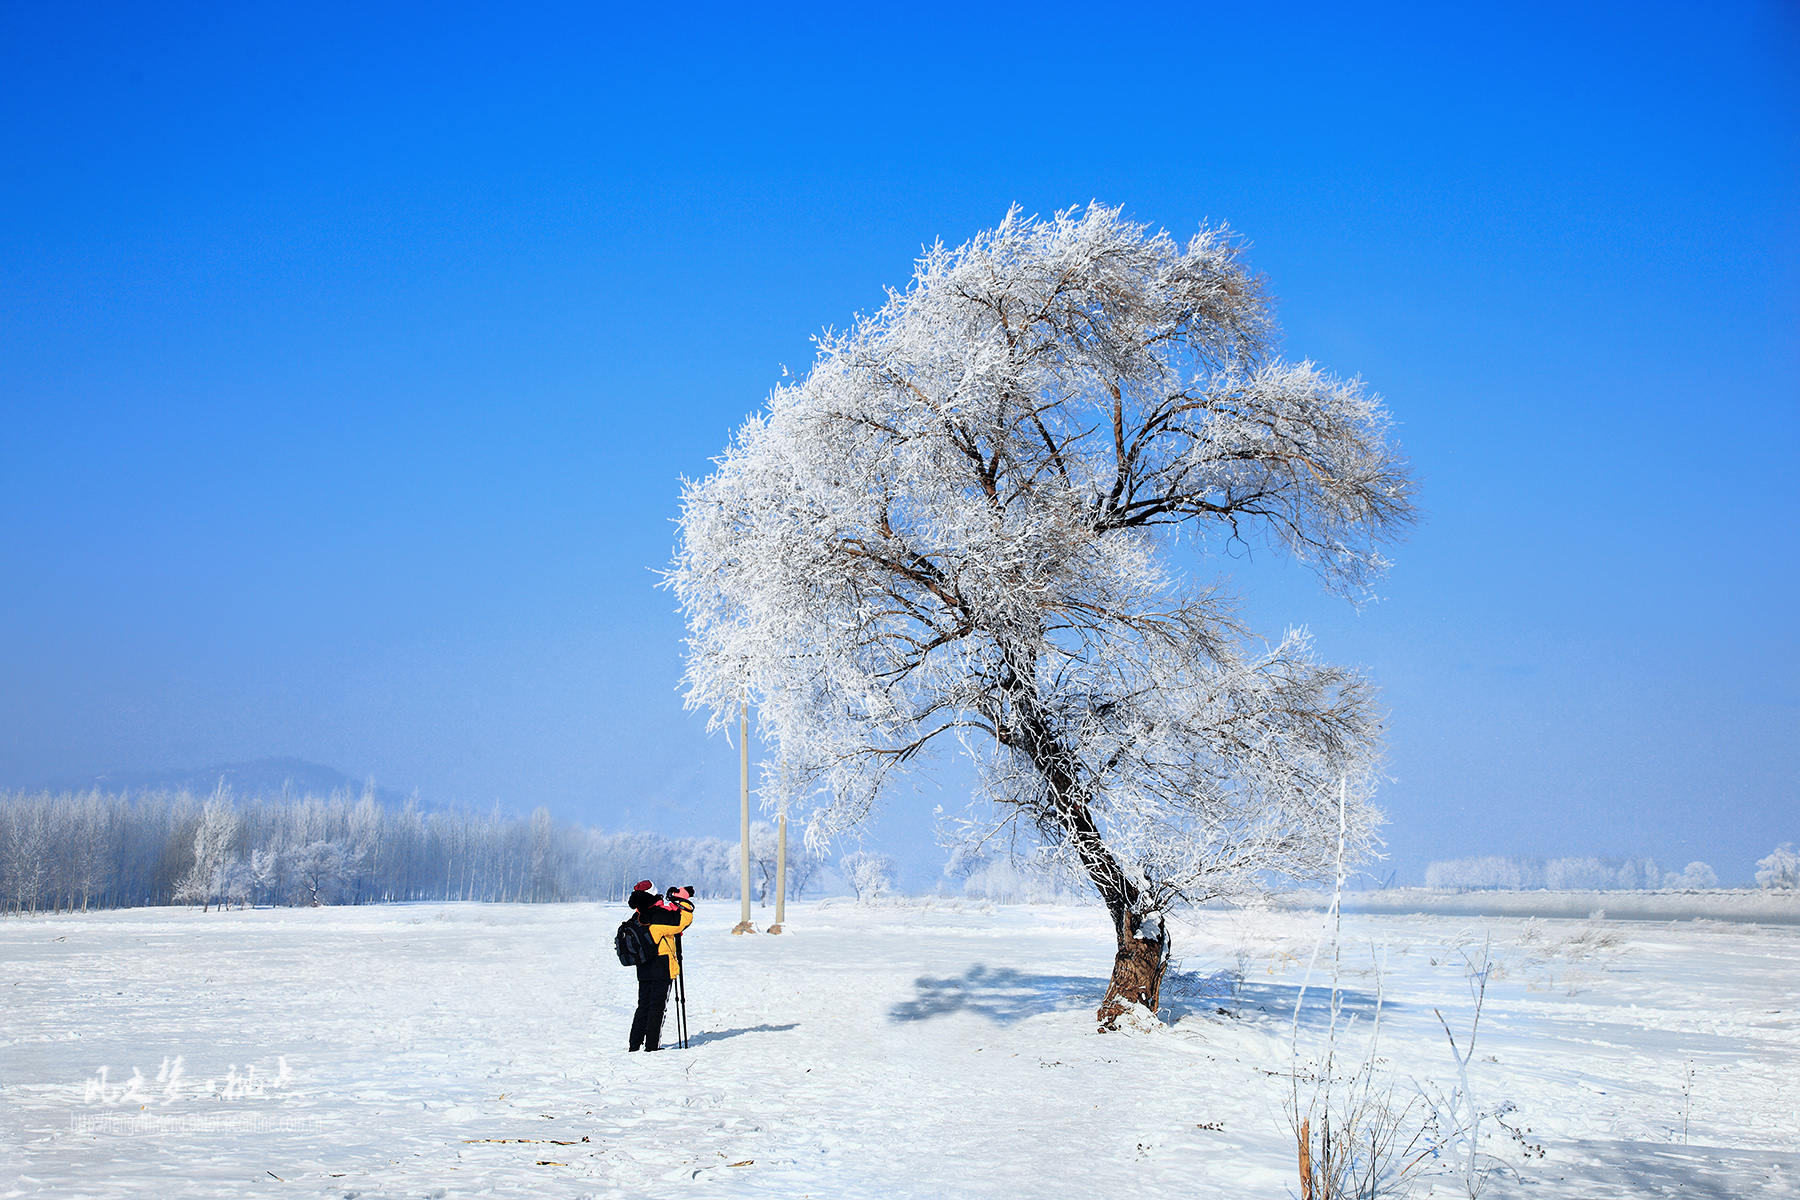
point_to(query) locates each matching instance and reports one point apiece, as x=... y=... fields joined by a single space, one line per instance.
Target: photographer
x=664 y=917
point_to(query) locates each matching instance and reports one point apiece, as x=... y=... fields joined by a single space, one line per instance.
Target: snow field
x=918 y=1050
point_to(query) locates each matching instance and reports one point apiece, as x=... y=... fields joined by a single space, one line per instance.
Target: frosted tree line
x=1586 y=873
x=66 y=851
x=1583 y=873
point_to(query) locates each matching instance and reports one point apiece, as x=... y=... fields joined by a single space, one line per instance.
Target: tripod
x=681 y=1024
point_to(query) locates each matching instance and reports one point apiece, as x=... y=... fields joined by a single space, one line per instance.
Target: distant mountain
x=263 y=777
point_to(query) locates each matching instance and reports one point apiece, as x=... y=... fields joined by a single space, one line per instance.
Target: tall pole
x=744 y=925
x=780 y=874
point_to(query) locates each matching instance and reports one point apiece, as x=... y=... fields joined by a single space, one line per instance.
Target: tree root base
x=1136 y=983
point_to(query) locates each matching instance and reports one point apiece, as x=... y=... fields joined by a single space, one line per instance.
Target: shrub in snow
x=959 y=527
x=1780 y=870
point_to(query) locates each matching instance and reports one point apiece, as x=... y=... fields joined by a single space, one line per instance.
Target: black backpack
x=634 y=944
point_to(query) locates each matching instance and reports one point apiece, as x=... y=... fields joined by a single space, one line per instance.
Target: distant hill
x=263 y=777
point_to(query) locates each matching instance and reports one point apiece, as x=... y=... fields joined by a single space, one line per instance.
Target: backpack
x=634 y=944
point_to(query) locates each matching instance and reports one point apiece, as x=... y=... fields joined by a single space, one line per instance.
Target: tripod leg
x=681 y=997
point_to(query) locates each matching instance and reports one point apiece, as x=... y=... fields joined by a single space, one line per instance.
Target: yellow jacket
x=665 y=934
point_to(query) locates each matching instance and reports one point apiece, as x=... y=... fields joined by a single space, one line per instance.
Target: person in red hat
x=665 y=917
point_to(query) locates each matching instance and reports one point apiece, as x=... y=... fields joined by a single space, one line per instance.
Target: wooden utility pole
x=780 y=874
x=744 y=925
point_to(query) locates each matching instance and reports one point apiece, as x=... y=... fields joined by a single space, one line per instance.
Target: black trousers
x=653 y=998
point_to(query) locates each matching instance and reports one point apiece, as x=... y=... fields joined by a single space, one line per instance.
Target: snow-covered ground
x=918 y=1050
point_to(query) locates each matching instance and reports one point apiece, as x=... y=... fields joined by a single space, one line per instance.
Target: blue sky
x=350 y=358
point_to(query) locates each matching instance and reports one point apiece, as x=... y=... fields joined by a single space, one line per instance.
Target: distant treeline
x=1585 y=874
x=106 y=850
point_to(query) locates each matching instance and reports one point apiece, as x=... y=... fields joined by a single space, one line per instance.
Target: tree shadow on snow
x=1002 y=996
x=1277 y=999
x=700 y=1039
x=1664 y=1169
x=1186 y=993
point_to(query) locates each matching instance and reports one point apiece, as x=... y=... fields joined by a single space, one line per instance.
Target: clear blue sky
x=349 y=359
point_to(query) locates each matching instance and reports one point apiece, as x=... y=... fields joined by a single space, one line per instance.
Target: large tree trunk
x=1143 y=948
x=1139 y=963
x=1138 y=966
x=1136 y=979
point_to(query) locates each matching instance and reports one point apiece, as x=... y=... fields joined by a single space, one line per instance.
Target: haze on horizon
x=350 y=363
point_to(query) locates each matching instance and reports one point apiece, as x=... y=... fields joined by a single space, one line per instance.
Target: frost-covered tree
x=212 y=844
x=234 y=882
x=1020 y=879
x=765 y=846
x=366 y=842
x=1697 y=876
x=961 y=525
x=763 y=849
x=542 y=870
x=320 y=871
x=91 y=846
x=25 y=849
x=868 y=873
x=1487 y=871
x=1780 y=870
x=269 y=872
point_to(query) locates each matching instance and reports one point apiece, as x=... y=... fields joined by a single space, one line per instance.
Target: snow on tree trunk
x=1137 y=976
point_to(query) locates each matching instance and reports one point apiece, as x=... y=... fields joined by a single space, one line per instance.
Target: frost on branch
x=958 y=527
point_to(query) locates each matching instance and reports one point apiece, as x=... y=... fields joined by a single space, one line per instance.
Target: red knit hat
x=644 y=885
